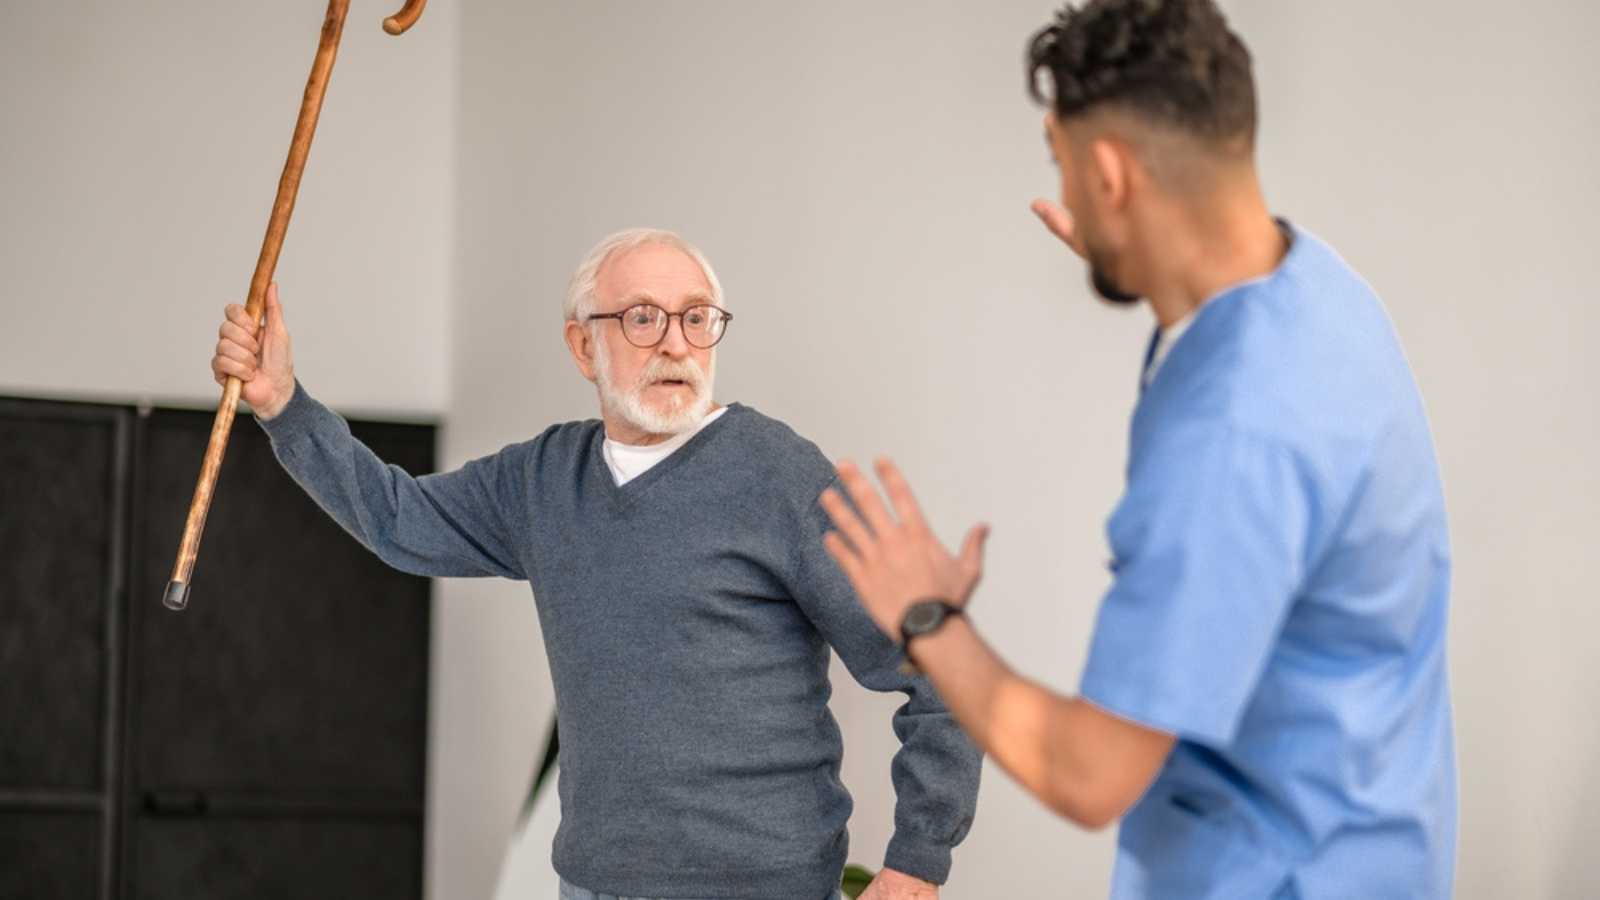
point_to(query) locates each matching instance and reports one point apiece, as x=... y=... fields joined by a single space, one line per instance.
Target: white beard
x=628 y=403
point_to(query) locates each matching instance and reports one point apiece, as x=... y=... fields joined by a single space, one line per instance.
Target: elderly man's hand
x=892 y=885
x=257 y=355
x=895 y=560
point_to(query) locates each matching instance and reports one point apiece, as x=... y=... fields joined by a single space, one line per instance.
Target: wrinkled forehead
x=654 y=273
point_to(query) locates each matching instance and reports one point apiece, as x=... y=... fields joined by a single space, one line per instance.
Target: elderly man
x=686 y=602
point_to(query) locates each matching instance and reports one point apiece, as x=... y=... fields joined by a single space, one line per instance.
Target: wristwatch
x=923 y=617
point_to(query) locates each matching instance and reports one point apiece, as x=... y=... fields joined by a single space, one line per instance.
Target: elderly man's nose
x=674 y=342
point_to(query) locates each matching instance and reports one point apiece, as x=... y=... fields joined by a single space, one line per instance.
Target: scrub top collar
x=1164 y=339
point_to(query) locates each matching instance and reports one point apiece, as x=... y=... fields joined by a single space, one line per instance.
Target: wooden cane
x=177 y=593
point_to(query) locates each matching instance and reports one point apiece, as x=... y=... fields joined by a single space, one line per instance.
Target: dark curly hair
x=1173 y=62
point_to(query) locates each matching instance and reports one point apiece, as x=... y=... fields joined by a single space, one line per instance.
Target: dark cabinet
x=270 y=741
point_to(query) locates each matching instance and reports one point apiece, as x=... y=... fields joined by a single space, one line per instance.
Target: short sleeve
x=1208 y=552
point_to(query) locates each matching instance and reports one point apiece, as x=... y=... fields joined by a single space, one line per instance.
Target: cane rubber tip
x=177 y=596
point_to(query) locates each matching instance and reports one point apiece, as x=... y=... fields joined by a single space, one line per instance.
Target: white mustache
x=663 y=369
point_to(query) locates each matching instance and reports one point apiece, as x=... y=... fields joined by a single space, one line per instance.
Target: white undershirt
x=1173 y=333
x=1164 y=344
x=1170 y=335
x=629 y=461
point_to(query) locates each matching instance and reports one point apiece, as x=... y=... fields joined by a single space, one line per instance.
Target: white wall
x=141 y=153
x=860 y=175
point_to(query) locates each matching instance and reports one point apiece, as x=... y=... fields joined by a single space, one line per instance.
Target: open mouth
x=672 y=382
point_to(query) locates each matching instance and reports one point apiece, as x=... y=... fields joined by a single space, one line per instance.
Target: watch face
x=923 y=616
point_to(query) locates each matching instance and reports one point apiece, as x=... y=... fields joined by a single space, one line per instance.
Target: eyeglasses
x=645 y=324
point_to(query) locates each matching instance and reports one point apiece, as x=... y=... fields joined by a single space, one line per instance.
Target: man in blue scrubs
x=1265 y=707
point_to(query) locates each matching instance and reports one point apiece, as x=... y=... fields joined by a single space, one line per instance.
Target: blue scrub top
x=1282 y=575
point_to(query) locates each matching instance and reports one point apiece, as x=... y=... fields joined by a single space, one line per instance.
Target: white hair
x=580 y=298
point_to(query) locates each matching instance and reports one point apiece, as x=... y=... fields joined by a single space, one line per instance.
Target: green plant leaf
x=856 y=878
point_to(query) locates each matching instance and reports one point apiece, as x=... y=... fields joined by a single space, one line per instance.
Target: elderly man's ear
x=582 y=348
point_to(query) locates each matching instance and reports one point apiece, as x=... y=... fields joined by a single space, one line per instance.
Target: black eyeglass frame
x=727 y=318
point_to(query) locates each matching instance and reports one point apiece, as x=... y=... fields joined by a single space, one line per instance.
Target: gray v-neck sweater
x=687 y=617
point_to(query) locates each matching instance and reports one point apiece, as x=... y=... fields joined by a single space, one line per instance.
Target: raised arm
x=461 y=523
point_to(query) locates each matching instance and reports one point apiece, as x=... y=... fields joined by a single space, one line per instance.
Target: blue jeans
x=571 y=891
